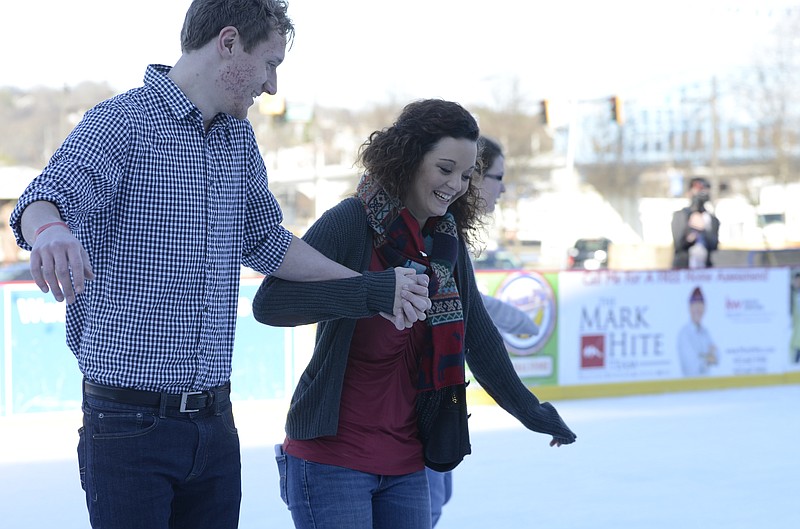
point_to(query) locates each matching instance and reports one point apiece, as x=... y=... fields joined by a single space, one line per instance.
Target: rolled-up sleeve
x=266 y=241
x=83 y=173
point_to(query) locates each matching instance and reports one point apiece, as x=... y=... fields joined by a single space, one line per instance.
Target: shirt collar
x=156 y=78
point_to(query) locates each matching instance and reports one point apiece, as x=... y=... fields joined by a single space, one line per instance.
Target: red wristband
x=48 y=225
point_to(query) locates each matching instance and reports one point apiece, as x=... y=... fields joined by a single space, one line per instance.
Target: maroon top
x=377 y=418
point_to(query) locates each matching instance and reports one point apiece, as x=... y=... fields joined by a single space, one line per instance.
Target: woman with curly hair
x=361 y=423
x=488 y=182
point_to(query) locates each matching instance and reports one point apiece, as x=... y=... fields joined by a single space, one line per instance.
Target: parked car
x=589 y=254
x=496 y=260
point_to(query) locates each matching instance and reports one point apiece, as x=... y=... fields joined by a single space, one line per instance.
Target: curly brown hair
x=393 y=155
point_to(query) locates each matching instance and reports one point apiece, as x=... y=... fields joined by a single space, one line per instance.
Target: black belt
x=186 y=402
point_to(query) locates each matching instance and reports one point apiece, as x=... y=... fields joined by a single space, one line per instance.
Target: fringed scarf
x=399 y=242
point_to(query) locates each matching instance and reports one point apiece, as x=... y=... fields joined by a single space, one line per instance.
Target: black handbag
x=442 y=421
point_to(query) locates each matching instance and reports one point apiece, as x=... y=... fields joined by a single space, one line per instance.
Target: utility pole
x=713 y=161
x=715 y=140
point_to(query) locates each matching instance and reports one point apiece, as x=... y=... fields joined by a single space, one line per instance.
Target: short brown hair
x=256 y=20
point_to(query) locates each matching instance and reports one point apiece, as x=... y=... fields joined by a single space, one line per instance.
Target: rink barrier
x=589 y=391
x=602 y=334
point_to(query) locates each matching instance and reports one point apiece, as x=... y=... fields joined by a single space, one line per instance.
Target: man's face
x=696 y=311
x=699 y=188
x=249 y=74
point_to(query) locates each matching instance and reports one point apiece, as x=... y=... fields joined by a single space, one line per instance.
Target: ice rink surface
x=723 y=459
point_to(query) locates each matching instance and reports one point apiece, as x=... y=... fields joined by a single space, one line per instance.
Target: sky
x=354 y=53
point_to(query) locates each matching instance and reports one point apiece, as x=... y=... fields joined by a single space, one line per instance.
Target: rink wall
x=602 y=333
x=611 y=333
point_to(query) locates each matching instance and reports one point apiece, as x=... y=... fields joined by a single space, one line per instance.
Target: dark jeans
x=151 y=468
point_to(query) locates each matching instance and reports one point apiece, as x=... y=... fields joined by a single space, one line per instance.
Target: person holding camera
x=695 y=229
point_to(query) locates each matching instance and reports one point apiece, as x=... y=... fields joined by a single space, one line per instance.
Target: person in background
x=352 y=456
x=695 y=347
x=489 y=185
x=695 y=229
x=141 y=222
x=508 y=319
x=794 y=303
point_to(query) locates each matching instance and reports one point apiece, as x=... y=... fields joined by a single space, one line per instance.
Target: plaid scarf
x=399 y=242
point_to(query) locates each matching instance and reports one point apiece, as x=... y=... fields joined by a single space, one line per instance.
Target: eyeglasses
x=497 y=177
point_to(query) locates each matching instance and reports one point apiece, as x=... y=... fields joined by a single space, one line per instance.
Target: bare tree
x=34 y=123
x=771 y=93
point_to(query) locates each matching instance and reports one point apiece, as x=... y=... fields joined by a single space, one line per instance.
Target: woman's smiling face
x=442 y=177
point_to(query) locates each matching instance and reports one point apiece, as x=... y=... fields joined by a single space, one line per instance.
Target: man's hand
x=697 y=221
x=55 y=253
x=410 y=298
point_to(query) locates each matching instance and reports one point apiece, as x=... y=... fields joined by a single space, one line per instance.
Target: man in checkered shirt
x=141 y=222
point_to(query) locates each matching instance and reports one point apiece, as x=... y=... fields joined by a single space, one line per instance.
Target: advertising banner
x=595 y=327
x=38 y=372
x=262 y=355
x=535 y=357
x=619 y=326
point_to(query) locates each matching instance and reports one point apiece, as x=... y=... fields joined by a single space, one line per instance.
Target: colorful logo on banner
x=531 y=293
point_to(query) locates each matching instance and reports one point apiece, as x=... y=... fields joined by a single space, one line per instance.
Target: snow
x=706 y=459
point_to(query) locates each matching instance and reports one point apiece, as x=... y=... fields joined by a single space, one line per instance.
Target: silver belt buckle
x=185 y=395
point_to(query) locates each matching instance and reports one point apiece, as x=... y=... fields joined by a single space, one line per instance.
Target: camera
x=699 y=201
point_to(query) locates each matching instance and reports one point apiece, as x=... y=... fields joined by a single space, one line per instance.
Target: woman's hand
x=410 y=300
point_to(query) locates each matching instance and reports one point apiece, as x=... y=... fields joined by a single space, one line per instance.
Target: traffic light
x=544 y=112
x=616 y=110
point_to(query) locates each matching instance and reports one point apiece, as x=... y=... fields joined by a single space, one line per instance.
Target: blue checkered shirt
x=168 y=213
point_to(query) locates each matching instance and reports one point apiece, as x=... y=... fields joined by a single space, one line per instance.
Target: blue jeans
x=151 y=468
x=441 y=486
x=330 y=497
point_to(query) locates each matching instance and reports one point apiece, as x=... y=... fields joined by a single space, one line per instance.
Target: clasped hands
x=410 y=298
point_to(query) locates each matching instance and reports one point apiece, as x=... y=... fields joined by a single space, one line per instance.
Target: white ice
x=727 y=459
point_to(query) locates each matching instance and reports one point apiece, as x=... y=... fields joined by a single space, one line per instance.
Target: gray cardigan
x=343 y=235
